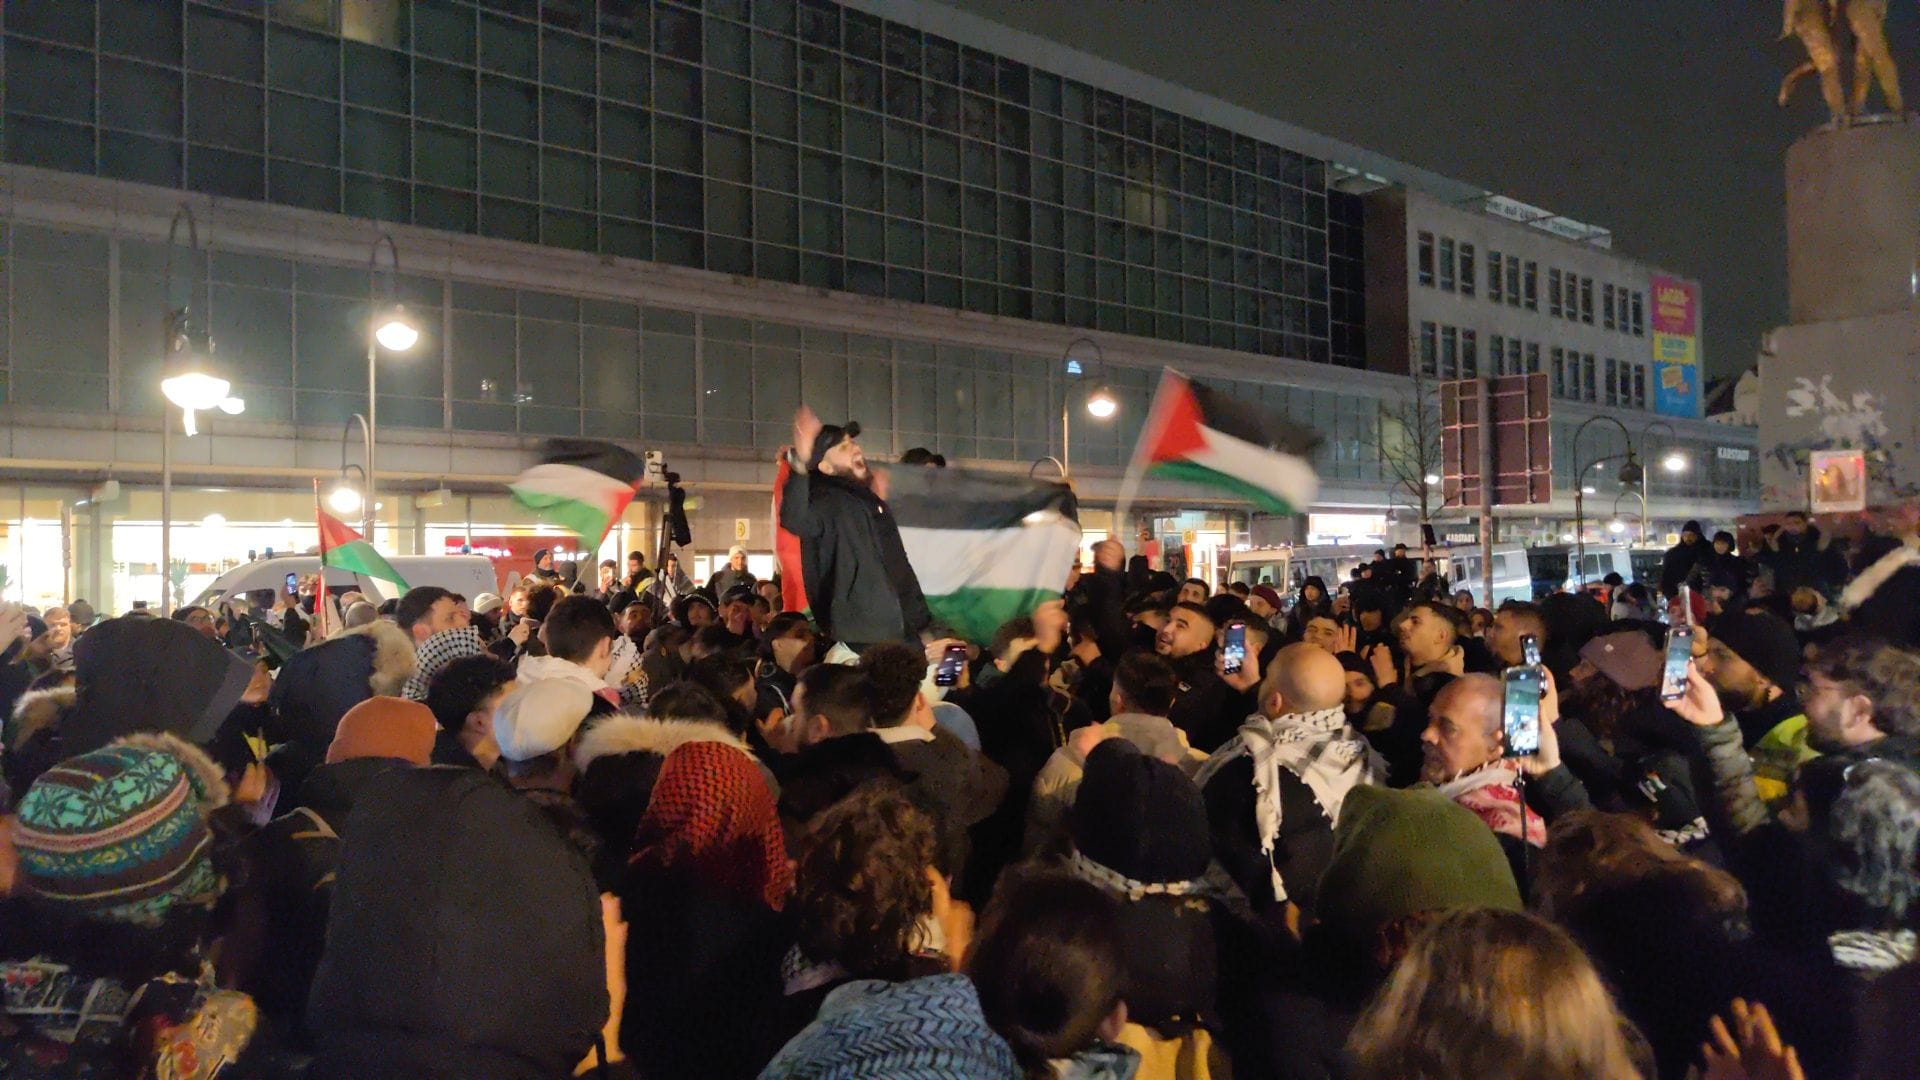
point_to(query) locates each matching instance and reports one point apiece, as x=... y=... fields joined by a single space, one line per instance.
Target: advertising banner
x=1676 y=346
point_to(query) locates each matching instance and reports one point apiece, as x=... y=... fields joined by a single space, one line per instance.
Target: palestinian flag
x=344 y=549
x=1204 y=436
x=986 y=547
x=582 y=485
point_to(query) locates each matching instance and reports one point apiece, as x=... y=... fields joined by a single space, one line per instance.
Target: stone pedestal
x=1853 y=221
x=1845 y=375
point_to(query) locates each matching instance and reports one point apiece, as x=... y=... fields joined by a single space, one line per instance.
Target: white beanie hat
x=539 y=717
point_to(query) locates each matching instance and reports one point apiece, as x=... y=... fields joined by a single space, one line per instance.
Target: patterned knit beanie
x=120 y=834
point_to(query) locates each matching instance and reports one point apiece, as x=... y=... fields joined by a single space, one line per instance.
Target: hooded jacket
x=464 y=940
x=617 y=761
x=1302 y=610
x=317 y=687
x=861 y=587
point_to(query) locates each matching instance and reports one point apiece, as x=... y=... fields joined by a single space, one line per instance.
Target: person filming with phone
x=1488 y=749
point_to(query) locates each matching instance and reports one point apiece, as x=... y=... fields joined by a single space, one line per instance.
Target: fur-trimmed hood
x=36 y=711
x=393 y=658
x=629 y=734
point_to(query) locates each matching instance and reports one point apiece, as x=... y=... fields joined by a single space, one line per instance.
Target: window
x=1449 y=352
x=1513 y=356
x=1553 y=292
x=1425 y=265
x=1559 y=372
x=1446 y=264
x=1428 y=348
x=1513 y=280
x=1586 y=301
x=1533 y=286
x=1606 y=306
x=1573 y=297
x=1639 y=315
x=1533 y=358
x=1586 y=377
x=1467 y=270
x=1639 y=386
x=1494 y=265
x=1613 y=381
x=1469 y=354
x=1496 y=348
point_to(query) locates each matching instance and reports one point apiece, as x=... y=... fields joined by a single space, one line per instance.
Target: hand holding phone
x=1673 y=670
x=1234 y=652
x=952 y=662
x=1520 y=709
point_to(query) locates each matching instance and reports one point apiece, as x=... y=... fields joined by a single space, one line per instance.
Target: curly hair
x=861 y=888
x=1876 y=836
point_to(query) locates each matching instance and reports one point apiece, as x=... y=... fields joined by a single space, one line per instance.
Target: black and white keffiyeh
x=435 y=653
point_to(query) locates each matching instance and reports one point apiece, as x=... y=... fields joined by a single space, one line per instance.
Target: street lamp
x=390 y=327
x=345 y=499
x=188 y=381
x=1630 y=474
x=1672 y=461
x=1101 y=404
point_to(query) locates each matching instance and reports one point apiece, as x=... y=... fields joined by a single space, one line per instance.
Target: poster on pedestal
x=1837 y=480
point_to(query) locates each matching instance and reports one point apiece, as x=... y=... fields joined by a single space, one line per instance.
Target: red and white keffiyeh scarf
x=1490 y=793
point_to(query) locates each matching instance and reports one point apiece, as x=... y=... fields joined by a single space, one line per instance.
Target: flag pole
x=1136 y=465
x=320 y=587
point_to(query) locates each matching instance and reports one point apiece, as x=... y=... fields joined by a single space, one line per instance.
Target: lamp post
x=1101 y=404
x=187 y=381
x=1672 y=461
x=389 y=327
x=1630 y=473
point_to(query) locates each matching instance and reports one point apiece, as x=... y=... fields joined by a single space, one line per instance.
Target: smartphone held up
x=1234 y=652
x=1673 y=669
x=1523 y=685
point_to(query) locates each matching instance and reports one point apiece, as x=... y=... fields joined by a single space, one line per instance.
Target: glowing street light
x=395 y=330
x=1674 y=462
x=1101 y=405
x=344 y=500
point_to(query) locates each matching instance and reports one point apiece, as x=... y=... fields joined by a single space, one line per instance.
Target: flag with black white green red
x=1200 y=435
x=985 y=547
x=345 y=549
x=581 y=485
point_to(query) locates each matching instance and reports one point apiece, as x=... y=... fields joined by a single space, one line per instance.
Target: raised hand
x=1752 y=1051
x=1347 y=639
x=806 y=428
x=1547 y=758
x=1110 y=554
x=1246 y=678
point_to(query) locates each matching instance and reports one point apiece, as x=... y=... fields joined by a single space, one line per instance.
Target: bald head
x=1302 y=678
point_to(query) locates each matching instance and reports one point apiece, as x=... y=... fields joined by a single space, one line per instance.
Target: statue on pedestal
x=1816 y=23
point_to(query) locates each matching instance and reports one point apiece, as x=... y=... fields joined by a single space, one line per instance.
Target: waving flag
x=986 y=547
x=1203 y=436
x=582 y=485
x=344 y=549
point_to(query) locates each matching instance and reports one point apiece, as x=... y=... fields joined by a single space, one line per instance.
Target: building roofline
x=1031 y=49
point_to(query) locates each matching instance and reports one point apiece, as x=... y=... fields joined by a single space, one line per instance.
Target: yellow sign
x=740 y=530
x=1188 y=536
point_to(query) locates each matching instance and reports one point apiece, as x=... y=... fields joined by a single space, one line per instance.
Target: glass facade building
x=789 y=140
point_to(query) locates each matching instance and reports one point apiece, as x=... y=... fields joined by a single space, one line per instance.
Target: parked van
x=1557 y=567
x=468 y=575
x=1512 y=580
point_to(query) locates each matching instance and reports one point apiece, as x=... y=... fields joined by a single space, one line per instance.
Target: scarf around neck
x=1319 y=748
x=1490 y=793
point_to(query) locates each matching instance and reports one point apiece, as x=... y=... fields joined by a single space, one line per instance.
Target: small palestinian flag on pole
x=582 y=485
x=344 y=549
x=1203 y=436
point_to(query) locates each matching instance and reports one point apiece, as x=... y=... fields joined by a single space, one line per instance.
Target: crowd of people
x=640 y=826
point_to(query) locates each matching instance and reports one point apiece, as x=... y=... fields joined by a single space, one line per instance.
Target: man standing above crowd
x=858 y=580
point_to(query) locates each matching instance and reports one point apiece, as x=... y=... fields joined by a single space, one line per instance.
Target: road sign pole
x=1484 y=411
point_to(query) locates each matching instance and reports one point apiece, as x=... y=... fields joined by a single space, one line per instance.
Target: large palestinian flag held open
x=581 y=485
x=1203 y=436
x=986 y=547
x=345 y=549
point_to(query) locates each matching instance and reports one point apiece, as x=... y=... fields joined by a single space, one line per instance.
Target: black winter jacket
x=859 y=584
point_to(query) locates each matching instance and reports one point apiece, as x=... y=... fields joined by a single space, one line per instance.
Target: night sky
x=1656 y=120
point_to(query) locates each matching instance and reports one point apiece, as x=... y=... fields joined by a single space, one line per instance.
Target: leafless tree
x=1410 y=444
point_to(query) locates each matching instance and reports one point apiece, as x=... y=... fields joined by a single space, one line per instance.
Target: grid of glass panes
x=794 y=140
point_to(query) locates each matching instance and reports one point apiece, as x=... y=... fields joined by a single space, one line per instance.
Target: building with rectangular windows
x=667 y=223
